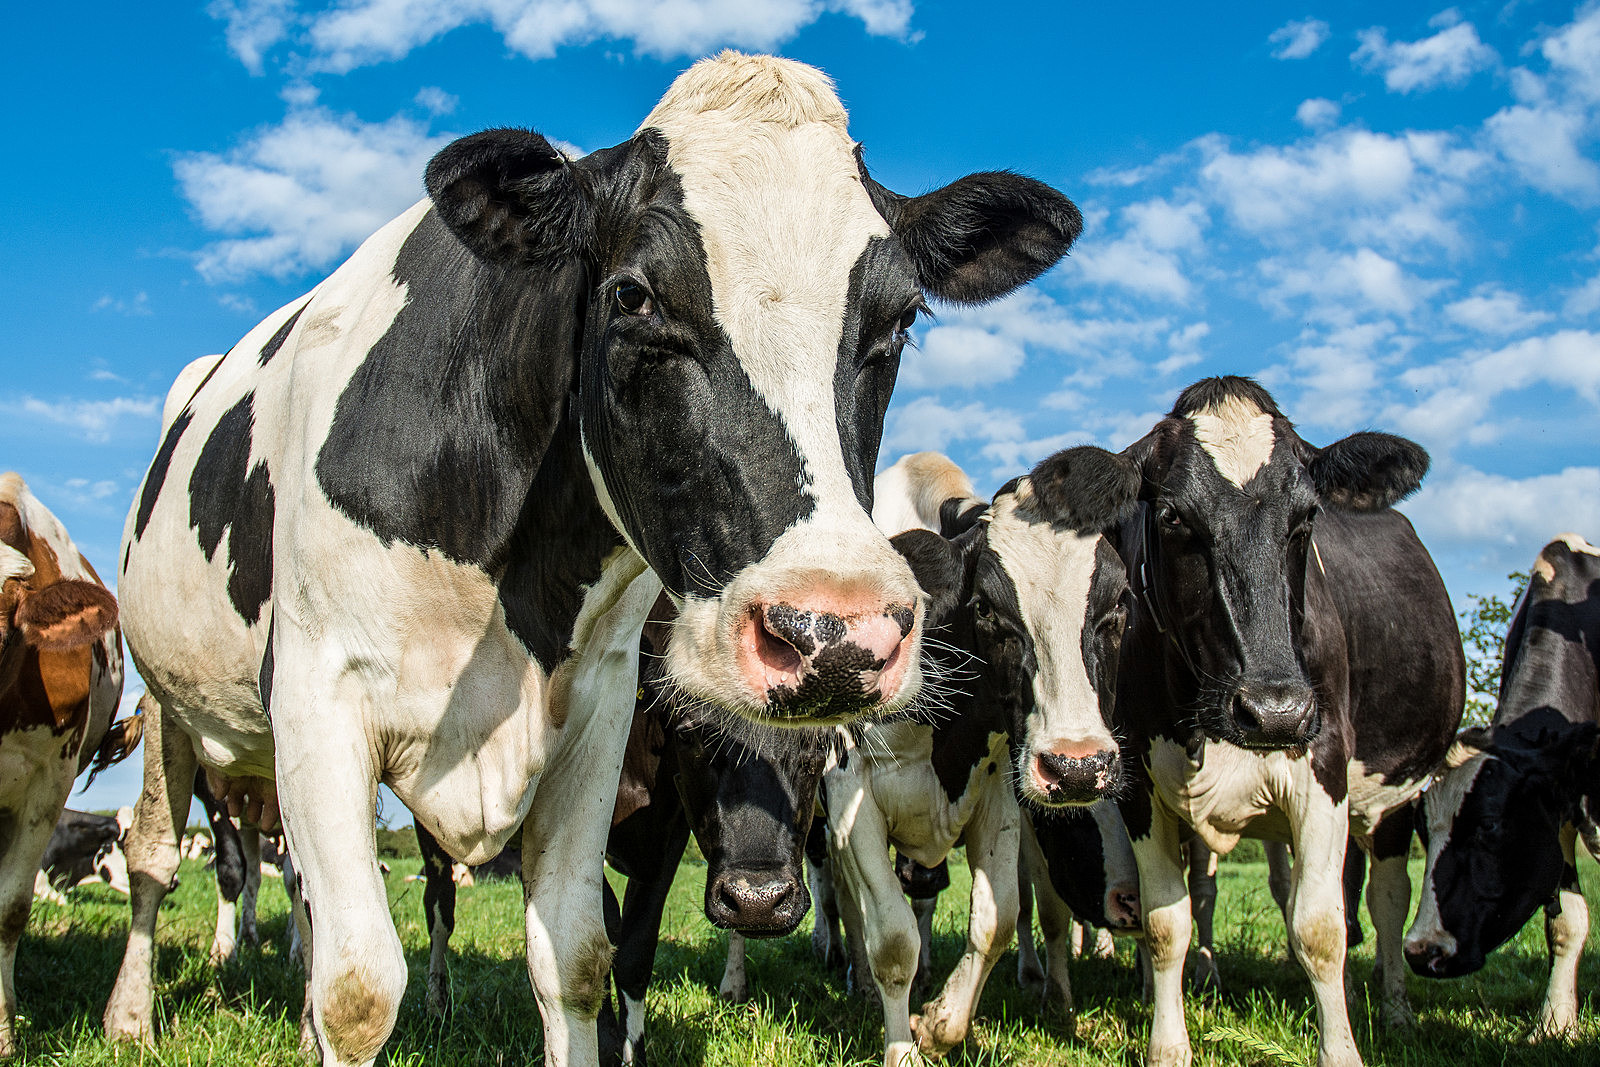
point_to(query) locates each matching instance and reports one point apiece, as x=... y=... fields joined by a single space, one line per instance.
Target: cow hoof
x=1030 y=975
x=734 y=992
x=1398 y=1017
x=1171 y=1056
x=127 y=1028
x=438 y=1000
x=934 y=1032
x=1554 y=1029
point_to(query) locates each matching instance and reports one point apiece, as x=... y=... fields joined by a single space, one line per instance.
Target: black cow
x=746 y=793
x=1290 y=670
x=78 y=848
x=473 y=457
x=1501 y=823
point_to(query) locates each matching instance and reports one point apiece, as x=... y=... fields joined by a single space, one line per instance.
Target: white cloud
x=1468 y=507
x=360 y=32
x=925 y=423
x=1394 y=190
x=1342 y=287
x=1542 y=144
x=253 y=27
x=303 y=193
x=960 y=355
x=1317 y=113
x=435 y=100
x=1144 y=258
x=1574 y=52
x=92 y=420
x=138 y=304
x=1494 y=310
x=1337 y=374
x=1584 y=300
x=1298 y=39
x=1458 y=392
x=1449 y=57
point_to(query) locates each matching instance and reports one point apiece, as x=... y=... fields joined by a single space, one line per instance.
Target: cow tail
x=120 y=741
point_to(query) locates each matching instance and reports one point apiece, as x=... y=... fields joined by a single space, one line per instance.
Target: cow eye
x=1171 y=519
x=908 y=319
x=632 y=299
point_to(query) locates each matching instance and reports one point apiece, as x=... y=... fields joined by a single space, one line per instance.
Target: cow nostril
x=779 y=637
x=1245 y=715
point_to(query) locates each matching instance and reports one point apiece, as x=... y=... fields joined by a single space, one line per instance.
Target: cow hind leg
x=1566 y=928
x=230 y=872
x=250 y=843
x=439 y=911
x=1030 y=969
x=151 y=847
x=1388 y=902
x=1203 y=906
x=24 y=833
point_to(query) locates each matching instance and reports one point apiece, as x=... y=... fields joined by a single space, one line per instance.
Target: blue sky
x=1390 y=214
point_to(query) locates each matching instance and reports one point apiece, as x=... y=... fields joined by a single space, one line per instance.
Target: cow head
x=749 y=289
x=1492 y=829
x=40 y=610
x=1034 y=590
x=1219 y=549
x=1090 y=863
x=749 y=792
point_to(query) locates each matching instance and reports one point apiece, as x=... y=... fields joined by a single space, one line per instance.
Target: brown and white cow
x=60 y=681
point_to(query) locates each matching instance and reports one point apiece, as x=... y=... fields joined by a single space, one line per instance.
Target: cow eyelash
x=908 y=318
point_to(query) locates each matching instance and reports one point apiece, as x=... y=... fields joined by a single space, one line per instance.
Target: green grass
x=247 y=1014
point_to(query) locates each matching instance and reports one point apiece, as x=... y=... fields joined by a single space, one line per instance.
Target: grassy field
x=247 y=1013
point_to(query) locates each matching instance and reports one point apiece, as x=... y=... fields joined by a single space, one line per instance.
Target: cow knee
x=358 y=1012
x=894 y=959
x=583 y=975
x=1322 y=940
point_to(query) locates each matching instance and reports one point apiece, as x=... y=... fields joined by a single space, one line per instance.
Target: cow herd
x=553 y=510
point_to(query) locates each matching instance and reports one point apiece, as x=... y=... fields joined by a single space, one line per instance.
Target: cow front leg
x=1566 y=927
x=327 y=795
x=827 y=941
x=878 y=920
x=1168 y=923
x=735 y=984
x=1056 y=926
x=228 y=866
x=250 y=845
x=1317 y=923
x=639 y=933
x=1203 y=905
x=26 y=832
x=439 y=911
x=151 y=847
x=1389 y=903
x=993 y=840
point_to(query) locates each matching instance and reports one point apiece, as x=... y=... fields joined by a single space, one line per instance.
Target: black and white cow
x=1077 y=867
x=1029 y=608
x=1290 y=670
x=1501 y=823
x=746 y=793
x=419 y=516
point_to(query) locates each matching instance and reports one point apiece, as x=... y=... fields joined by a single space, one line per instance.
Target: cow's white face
x=1049 y=608
x=750 y=288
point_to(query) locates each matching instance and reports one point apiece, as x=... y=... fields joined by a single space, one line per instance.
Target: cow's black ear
x=1366 y=471
x=981 y=236
x=940 y=568
x=512 y=198
x=1086 y=488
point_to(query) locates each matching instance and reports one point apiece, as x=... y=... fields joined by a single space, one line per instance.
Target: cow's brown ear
x=66 y=615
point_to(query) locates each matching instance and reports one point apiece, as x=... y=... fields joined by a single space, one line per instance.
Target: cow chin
x=799 y=640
